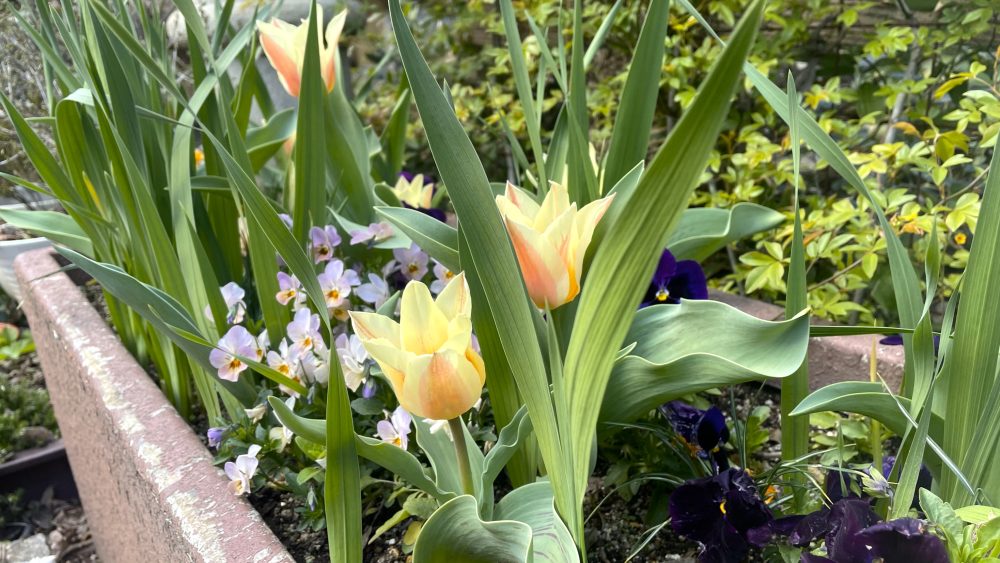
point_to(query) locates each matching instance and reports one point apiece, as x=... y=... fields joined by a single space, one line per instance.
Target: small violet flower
x=232 y=295
x=336 y=283
x=353 y=357
x=376 y=232
x=324 y=240
x=442 y=276
x=281 y=434
x=396 y=429
x=286 y=219
x=242 y=471
x=304 y=331
x=214 y=436
x=235 y=343
x=375 y=292
x=674 y=281
x=412 y=262
x=286 y=362
x=290 y=290
x=257 y=413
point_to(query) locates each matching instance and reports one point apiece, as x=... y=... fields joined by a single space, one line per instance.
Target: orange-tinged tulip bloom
x=285 y=46
x=550 y=240
x=428 y=355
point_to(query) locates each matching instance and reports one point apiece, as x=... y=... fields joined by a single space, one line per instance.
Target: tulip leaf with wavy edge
x=389 y=456
x=697 y=345
x=506 y=446
x=533 y=505
x=440 y=451
x=456 y=533
x=492 y=256
x=628 y=255
x=58 y=227
x=634 y=119
x=438 y=239
x=702 y=231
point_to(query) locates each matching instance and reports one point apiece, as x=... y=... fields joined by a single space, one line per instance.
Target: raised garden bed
x=145 y=479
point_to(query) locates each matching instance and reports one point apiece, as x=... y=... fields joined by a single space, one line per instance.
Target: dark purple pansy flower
x=675 y=280
x=722 y=513
x=839 y=527
x=215 y=436
x=905 y=540
x=704 y=431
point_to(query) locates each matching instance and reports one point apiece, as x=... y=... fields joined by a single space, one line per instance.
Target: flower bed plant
x=337 y=318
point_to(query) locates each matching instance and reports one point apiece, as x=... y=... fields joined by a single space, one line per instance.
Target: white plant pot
x=9 y=249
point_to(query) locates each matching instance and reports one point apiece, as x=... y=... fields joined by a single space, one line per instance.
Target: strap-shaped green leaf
x=628 y=255
x=438 y=239
x=634 y=120
x=490 y=251
x=58 y=227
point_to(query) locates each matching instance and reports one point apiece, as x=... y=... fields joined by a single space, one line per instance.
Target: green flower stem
x=461 y=451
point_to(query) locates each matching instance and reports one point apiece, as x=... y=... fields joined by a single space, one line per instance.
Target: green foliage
x=923 y=162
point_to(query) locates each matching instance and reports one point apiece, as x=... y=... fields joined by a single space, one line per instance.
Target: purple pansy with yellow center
x=725 y=514
x=703 y=431
x=675 y=280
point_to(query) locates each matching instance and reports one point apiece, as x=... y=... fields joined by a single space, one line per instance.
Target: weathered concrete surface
x=147 y=483
x=831 y=359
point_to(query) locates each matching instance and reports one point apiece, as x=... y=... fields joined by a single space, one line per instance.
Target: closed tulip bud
x=427 y=355
x=550 y=240
x=285 y=47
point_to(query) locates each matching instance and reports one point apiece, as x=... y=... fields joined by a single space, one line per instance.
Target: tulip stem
x=462 y=453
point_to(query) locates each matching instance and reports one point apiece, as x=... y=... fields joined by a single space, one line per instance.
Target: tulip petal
x=542 y=266
x=454 y=299
x=328 y=55
x=517 y=204
x=440 y=386
x=275 y=40
x=370 y=326
x=555 y=204
x=423 y=328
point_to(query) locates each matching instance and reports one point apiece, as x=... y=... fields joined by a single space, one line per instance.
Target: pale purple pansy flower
x=442 y=276
x=262 y=343
x=242 y=470
x=236 y=308
x=412 y=262
x=290 y=290
x=353 y=357
x=324 y=240
x=236 y=342
x=376 y=232
x=214 y=436
x=286 y=219
x=316 y=364
x=336 y=283
x=375 y=292
x=257 y=413
x=396 y=429
x=303 y=331
x=286 y=362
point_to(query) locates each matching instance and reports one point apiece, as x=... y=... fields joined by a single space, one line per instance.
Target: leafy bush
x=913 y=98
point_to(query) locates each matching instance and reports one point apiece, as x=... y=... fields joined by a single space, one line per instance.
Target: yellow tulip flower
x=285 y=47
x=550 y=240
x=428 y=355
